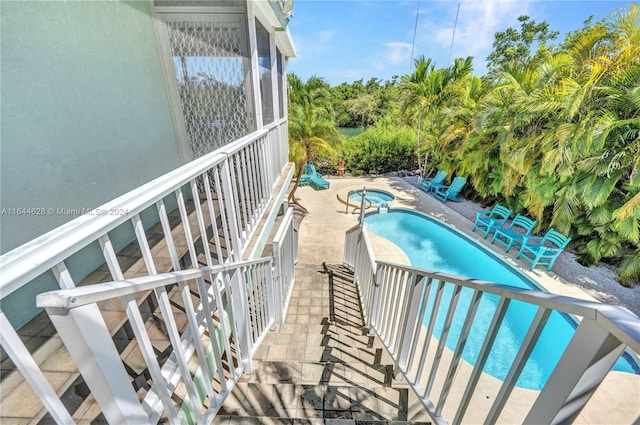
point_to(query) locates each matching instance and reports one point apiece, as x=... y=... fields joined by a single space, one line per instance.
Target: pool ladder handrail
x=347 y=204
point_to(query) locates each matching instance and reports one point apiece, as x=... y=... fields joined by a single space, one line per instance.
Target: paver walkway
x=321 y=366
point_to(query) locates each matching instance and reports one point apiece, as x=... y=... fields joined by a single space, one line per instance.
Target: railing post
x=87 y=338
x=408 y=324
x=277 y=292
x=239 y=298
x=588 y=358
x=373 y=303
x=230 y=206
x=362 y=204
x=25 y=363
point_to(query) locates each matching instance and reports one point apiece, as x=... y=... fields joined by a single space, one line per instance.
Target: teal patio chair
x=426 y=183
x=513 y=235
x=304 y=180
x=315 y=179
x=444 y=193
x=545 y=250
x=491 y=220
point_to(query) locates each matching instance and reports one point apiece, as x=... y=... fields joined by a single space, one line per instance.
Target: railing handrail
x=397 y=304
x=617 y=320
x=353 y=229
x=83 y=295
x=367 y=244
x=282 y=230
x=274 y=124
x=31 y=259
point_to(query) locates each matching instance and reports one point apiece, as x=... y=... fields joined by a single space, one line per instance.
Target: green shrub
x=380 y=149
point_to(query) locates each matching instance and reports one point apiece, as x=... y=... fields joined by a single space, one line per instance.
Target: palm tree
x=567 y=130
x=416 y=95
x=312 y=129
x=424 y=95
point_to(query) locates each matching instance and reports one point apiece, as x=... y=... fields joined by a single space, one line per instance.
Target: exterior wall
x=85 y=110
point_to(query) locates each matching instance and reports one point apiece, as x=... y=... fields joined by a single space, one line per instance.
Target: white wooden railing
x=285 y=250
x=395 y=299
x=208 y=210
x=207 y=356
x=237 y=305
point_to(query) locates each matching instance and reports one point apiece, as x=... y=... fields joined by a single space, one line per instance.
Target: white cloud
x=318 y=43
x=394 y=52
x=478 y=21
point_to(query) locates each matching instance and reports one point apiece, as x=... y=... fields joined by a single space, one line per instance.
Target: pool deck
x=321 y=237
x=327 y=221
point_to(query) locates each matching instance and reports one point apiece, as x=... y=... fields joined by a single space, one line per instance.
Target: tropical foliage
x=553 y=130
x=381 y=149
x=556 y=135
x=312 y=130
x=427 y=95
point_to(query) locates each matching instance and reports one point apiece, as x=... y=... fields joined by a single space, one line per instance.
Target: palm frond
x=629 y=269
x=566 y=208
x=600 y=216
x=629 y=229
x=631 y=209
x=600 y=190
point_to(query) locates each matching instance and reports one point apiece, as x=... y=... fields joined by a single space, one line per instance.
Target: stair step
x=267 y=420
x=326 y=373
x=320 y=401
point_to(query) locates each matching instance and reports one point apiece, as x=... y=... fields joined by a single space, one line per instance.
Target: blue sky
x=348 y=40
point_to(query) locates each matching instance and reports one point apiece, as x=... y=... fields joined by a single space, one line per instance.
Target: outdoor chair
x=543 y=250
x=426 y=183
x=491 y=220
x=304 y=180
x=444 y=193
x=314 y=178
x=513 y=235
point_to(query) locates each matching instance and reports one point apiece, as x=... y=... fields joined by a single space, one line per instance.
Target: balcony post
x=274 y=297
x=277 y=293
x=230 y=206
x=21 y=357
x=87 y=338
x=241 y=316
x=588 y=358
x=408 y=323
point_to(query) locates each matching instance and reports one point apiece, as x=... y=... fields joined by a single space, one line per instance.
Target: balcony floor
x=321 y=365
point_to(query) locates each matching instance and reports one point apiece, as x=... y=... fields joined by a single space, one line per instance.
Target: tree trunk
x=292 y=198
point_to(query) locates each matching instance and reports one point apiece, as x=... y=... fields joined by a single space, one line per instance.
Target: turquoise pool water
x=432 y=245
x=376 y=197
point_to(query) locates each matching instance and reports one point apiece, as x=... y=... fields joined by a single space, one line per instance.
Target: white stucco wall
x=85 y=112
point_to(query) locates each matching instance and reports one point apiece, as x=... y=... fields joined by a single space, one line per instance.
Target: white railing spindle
x=260 y=158
x=395 y=306
x=76 y=315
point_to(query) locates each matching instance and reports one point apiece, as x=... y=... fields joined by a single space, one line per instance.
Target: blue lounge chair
x=443 y=193
x=545 y=250
x=513 y=235
x=426 y=183
x=315 y=179
x=491 y=220
x=304 y=180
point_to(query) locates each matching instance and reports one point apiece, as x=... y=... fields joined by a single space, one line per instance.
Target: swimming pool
x=376 y=197
x=432 y=245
